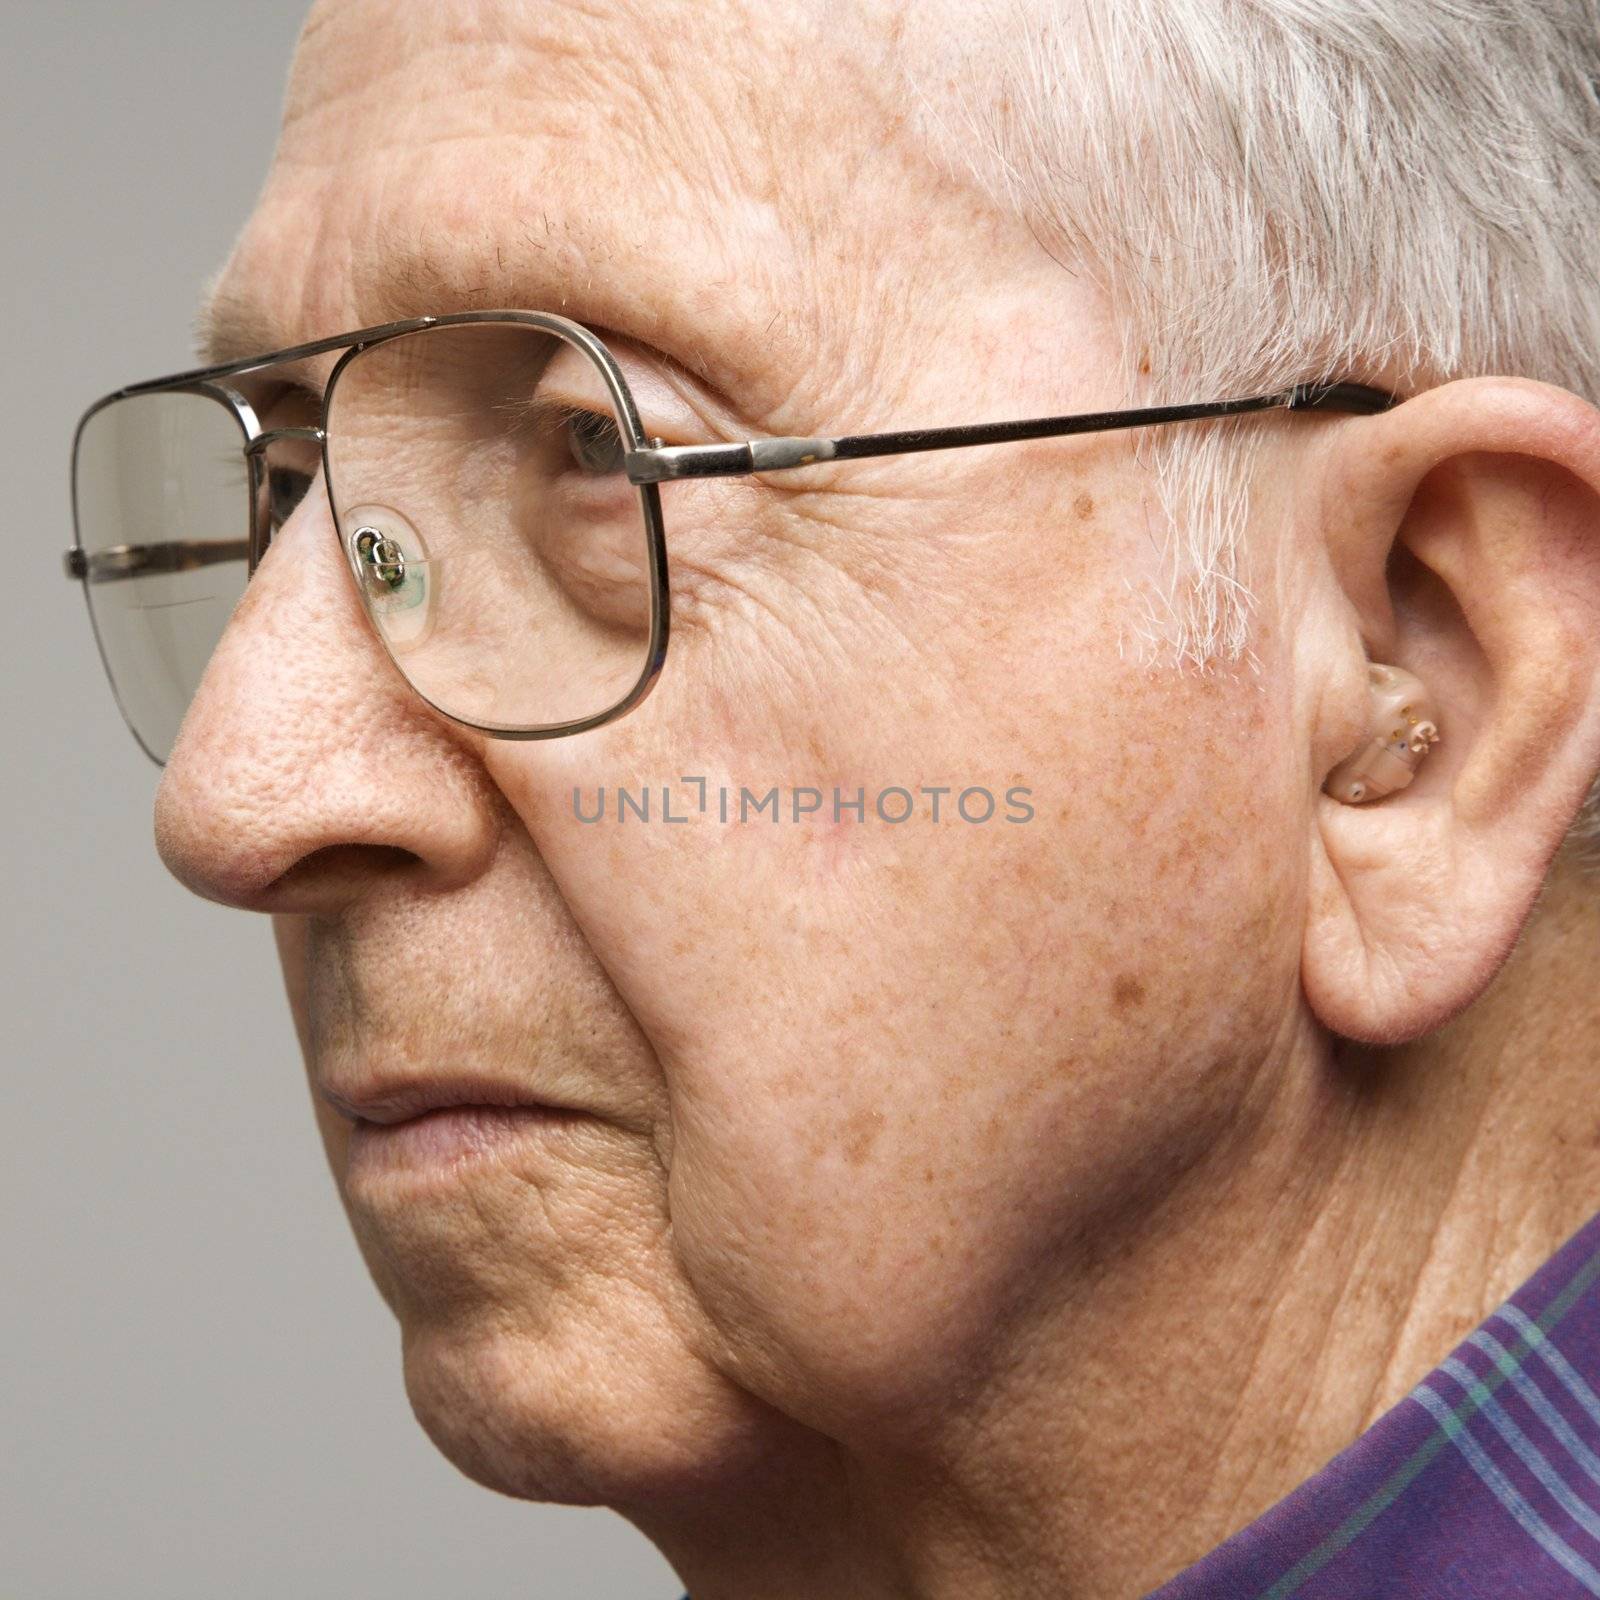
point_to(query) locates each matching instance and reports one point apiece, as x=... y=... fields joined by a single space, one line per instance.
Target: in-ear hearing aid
x=1403 y=732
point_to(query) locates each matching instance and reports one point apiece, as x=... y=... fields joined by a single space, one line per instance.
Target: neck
x=1281 y=1297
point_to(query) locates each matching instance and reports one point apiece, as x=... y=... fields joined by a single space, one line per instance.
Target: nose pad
x=398 y=582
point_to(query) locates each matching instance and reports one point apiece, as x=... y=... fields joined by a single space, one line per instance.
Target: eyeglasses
x=495 y=498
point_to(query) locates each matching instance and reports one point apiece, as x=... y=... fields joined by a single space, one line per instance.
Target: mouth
x=387 y=1103
x=416 y=1128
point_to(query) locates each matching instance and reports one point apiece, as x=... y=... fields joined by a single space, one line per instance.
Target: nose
x=307 y=774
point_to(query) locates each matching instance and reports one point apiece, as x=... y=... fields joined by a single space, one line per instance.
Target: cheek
x=918 y=1067
x=909 y=1063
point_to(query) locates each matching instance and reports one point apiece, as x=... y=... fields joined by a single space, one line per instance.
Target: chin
x=583 y=1420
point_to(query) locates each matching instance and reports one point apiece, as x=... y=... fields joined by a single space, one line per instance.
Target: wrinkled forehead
x=722 y=181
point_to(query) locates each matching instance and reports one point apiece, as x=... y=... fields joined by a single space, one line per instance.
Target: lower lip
x=450 y=1137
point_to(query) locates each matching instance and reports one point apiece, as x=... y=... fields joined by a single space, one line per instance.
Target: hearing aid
x=1402 y=731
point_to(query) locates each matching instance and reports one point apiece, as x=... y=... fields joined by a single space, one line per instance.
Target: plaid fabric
x=1482 y=1484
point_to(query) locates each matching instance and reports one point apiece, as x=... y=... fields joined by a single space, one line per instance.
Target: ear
x=1462 y=535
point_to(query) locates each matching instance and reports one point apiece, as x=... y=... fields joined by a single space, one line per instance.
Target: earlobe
x=1463 y=534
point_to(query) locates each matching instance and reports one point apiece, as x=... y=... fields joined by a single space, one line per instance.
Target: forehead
x=724 y=182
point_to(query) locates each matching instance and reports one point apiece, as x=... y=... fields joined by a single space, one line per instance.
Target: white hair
x=1276 y=191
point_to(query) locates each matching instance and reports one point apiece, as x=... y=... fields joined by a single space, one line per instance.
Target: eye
x=595 y=444
x=286 y=488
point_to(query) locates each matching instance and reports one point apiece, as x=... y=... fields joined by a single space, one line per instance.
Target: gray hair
x=1272 y=191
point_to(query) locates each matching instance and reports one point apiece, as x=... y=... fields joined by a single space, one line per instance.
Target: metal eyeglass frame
x=647 y=463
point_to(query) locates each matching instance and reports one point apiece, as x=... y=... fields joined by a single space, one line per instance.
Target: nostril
x=337 y=869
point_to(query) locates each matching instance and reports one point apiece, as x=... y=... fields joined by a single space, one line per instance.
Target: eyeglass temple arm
x=664 y=463
x=136 y=560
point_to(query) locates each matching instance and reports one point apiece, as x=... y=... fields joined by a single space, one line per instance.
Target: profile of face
x=852 y=1111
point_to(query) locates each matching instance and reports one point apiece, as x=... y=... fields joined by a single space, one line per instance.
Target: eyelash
x=556 y=416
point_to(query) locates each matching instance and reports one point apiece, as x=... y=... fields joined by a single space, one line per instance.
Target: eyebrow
x=226 y=333
x=228 y=328
x=401 y=277
x=231 y=327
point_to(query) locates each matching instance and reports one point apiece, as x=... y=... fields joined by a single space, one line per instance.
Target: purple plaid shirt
x=1482 y=1484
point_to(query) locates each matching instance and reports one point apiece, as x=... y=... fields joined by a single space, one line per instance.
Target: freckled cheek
x=1189 y=833
x=901 y=1054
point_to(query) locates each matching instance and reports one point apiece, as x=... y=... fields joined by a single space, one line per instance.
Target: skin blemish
x=861 y=1132
x=1127 y=992
x=1083 y=505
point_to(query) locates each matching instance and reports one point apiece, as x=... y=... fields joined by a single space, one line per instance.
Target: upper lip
x=397 y=1099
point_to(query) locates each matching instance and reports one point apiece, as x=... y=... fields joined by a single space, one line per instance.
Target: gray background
x=201 y=1390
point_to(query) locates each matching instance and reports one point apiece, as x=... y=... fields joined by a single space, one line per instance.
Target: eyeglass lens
x=476 y=477
x=162 y=489
x=501 y=553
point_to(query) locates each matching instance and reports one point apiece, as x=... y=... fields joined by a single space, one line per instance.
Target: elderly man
x=1047 y=1046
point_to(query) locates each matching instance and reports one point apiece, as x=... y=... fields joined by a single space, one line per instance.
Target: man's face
x=857 y=1091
